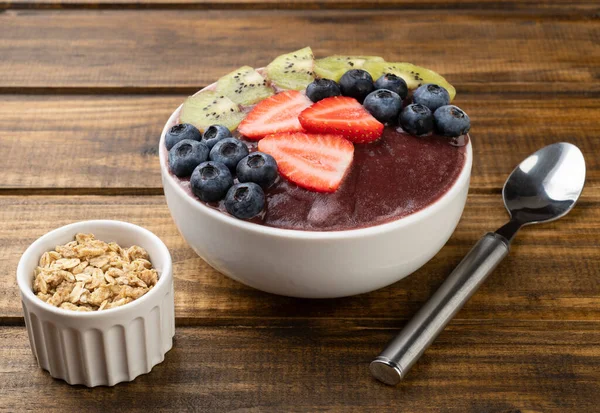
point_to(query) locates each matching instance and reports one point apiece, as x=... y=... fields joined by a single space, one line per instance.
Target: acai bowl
x=339 y=248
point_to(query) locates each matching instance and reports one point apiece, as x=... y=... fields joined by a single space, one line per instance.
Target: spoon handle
x=403 y=351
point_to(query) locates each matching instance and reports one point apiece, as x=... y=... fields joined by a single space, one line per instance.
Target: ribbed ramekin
x=100 y=348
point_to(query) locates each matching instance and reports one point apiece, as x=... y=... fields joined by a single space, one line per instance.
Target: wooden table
x=86 y=88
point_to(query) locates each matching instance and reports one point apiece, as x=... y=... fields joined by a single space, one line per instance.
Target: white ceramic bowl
x=106 y=347
x=314 y=264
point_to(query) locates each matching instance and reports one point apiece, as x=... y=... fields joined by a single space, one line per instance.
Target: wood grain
x=84 y=142
x=109 y=143
x=537 y=7
x=552 y=272
x=493 y=366
x=85 y=91
x=168 y=49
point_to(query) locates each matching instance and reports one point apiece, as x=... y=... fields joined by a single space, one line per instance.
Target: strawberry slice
x=315 y=162
x=278 y=113
x=342 y=116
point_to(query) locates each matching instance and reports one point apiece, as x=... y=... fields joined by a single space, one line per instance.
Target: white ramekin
x=106 y=347
x=313 y=264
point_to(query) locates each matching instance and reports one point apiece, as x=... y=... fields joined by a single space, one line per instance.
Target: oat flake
x=91 y=275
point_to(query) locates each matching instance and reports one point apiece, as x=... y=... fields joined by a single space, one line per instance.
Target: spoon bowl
x=546 y=185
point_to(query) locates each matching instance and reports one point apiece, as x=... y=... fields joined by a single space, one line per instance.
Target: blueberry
x=394 y=83
x=180 y=132
x=321 y=89
x=185 y=156
x=258 y=167
x=229 y=151
x=214 y=134
x=451 y=121
x=245 y=201
x=384 y=105
x=432 y=96
x=210 y=181
x=416 y=119
x=357 y=84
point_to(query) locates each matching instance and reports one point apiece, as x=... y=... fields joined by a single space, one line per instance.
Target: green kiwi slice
x=413 y=75
x=210 y=108
x=292 y=70
x=333 y=67
x=244 y=86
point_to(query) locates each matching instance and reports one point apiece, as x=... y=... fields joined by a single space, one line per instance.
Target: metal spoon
x=543 y=188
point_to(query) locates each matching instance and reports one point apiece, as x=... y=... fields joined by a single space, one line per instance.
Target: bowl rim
x=461 y=180
x=27 y=291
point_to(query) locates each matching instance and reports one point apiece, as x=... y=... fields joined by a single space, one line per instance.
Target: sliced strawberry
x=278 y=113
x=342 y=116
x=315 y=162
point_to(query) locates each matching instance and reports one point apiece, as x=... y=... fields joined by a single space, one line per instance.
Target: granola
x=91 y=275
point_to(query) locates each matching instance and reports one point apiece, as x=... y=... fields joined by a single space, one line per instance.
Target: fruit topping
x=451 y=121
x=258 y=167
x=333 y=67
x=413 y=75
x=245 y=201
x=210 y=181
x=185 y=156
x=357 y=84
x=229 y=151
x=384 y=105
x=244 y=86
x=293 y=70
x=317 y=162
x=394 y=83
x=278 y=113
x=207 y=108
x=432 y=96
x=344 y=116
x=180 y=132
x=321 y=89
x=416 y=119
x=214 y=134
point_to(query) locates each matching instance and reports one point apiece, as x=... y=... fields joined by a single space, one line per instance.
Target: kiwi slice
x=244 y=86
x=293 y=70
x=210 y=108
x=413 y=75
x=333 y=67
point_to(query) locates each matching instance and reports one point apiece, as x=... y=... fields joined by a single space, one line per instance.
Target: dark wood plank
x=109 y=143
x=538 y=7
x=168 y=49
x=83 y=142
x=493 y=366
x=552 y=272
